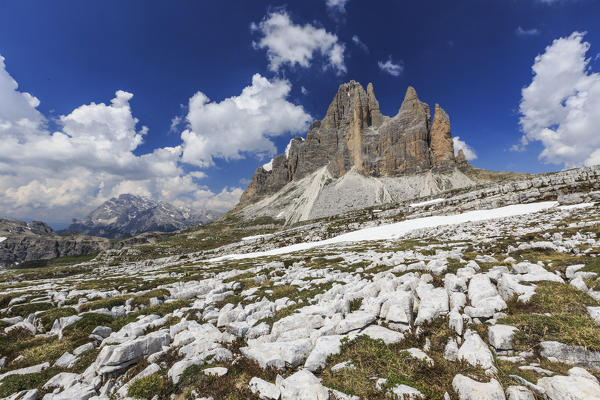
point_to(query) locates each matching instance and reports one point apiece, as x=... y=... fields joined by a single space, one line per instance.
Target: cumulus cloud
x=527 y=32
x=241 y=124
x=90 y=158
x=462 y=145
x=336 y=5
x=359 y=43
x=561 y=106
x=389 y=67
x=292 y=44
x=18 y=113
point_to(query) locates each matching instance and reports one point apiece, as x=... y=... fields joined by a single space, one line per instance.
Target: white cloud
x=55 y=176
x=241 y=123
x=462 y=145
x=304 y=90
x=291 y=44
x=527 y=32
x=561 y=106
x=18 y=112
x=394 y=69
x=336 y=5
x=356 y=40
x=175 y=122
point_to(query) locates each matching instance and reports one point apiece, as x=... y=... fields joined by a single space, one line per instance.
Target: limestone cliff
x=355 y=135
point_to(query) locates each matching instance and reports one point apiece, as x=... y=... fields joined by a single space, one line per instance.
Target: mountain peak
x=410 y=95
x=354 y=135
x=129 y=215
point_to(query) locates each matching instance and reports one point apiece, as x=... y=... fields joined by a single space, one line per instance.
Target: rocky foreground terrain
x=485 y=294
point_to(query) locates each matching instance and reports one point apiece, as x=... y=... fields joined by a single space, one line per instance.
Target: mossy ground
x=555 y=312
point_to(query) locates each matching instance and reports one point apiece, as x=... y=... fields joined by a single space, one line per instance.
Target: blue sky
x=471 y=57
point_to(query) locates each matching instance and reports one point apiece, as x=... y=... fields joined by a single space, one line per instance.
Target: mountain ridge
x=129 y=215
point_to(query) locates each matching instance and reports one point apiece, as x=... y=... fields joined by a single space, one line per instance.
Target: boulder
x=469 y=389
x=433 y=303
x=265 y=390
x=355 y=320
x=379 y=332
x=324 y=346
x=280 y=355
x=501 y=336
x=303 y=385
x=519 y=393
x=578 y=385
x=475 y=351
x=574 y=355
x=406 y=392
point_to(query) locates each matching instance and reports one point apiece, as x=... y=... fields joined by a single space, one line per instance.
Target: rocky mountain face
x=354 y=135
x=28 y=241
x=357 y=157
x=129 y=215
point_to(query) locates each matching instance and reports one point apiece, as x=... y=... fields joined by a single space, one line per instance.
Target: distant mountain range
x=129 y=215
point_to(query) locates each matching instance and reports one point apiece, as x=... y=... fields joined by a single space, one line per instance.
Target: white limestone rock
x=343 y=365
x=355 y=320
x=501 y=336
x=215 y=371
x=280 y=355
x=303 y=385
x=433 y=303
x=398 y=308
x=324 y=346
x=67 y=360
x=594 y=313
x=469 y=389
x=62 y=381
x=79 y=391
x=265 y=390
x=578 y=385
x=419 y=354
x=475 y=351
x=34 y=369
x=451 y=350
x=573 y=355
x=406 y=392
x=484 y=297
x=379 y=332
x=519 y=393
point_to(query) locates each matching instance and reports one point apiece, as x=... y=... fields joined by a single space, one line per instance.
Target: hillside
x=492 y=290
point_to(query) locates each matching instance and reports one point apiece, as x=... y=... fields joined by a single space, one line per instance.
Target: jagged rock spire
x=410 y=96
x=375 y=116
x=442 y=147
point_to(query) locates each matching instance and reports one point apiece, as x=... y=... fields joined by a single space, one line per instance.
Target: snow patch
x=426 y=203
x=2 y=239
x=575 y=206
x=268 y=166
x=287 y=148
x=395 y=231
